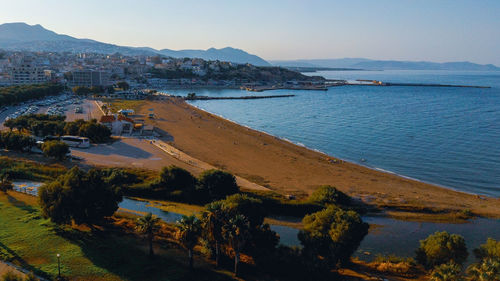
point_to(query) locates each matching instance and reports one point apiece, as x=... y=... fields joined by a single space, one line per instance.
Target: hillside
x=21 y=36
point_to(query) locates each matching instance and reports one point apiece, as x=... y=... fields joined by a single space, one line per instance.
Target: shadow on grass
x=120 y=254
x=17 y=260
x=21 y=205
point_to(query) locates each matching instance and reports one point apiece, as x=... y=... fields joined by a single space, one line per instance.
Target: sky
x=431 y=30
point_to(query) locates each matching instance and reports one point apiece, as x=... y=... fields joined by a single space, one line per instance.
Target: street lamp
x=59 y=265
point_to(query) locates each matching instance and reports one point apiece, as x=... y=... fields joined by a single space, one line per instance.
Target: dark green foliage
x=490 y=249
x=5 y=183
x=55 y=149
x=326 y=195
x=487 y=270
x=79 y=196
x=189 y=231
x=16 y=141
x=148 y=225
x=175 y=178
x=440 y=248
x=123 y=85
x=81 y=91
x=97 y=133
x=16 y=94
x=22 y=169
x=447 y=272
x=331 y=236
x=218 y=184
x=53 y=125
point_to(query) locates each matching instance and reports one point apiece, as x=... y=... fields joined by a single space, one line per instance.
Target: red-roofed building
x=118 y=125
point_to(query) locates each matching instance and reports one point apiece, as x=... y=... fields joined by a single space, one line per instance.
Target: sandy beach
x=290 y=169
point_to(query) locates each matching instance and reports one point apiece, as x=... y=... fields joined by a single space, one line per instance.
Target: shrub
x=490 y=249
x=487 y=270
x=447 y=272
x=55 y=149
x=218 y=184
x=326 y=195
x=441 y=248
x=175 y=178
x=331 y=236
x=5 y=184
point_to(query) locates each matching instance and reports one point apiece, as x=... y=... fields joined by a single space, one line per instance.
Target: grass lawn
x=32 y=242
x=117 y=104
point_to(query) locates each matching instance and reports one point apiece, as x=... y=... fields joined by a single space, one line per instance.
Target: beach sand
x=291 y=169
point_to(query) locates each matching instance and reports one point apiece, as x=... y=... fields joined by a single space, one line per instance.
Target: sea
x=441 y=135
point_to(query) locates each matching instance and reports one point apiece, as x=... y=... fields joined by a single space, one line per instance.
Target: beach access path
x=291 y=169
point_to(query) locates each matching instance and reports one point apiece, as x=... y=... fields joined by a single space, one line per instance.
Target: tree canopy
x=56 y=149
x=218 y=184
x=331 y=235
x=440 y=248
x=79 y=196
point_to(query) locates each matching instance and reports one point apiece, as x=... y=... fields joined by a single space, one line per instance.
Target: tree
x=326 y=195
x=236 y=231
x=213 y=221
x=81 y=91
x=148 y=225
x=5 y=184
x=175 y=178
x=447 y=272
x=123 y=85
x=56 y=149
x=331 y=236
x=79 y=196
x=440 y=248
x=189 y=230
x=487 y=270
x=218 y=184
x=490 y=249
x=97 y=133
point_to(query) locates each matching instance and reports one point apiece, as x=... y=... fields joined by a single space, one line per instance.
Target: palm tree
x=446 y=272
x=487 y=270
x=188 y=233
x=148 y=225
x=237 y=232
x=213 y=221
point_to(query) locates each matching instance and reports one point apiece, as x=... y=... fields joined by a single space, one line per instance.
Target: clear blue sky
x=435 y=30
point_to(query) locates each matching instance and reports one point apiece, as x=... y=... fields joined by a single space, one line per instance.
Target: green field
x=32 y=242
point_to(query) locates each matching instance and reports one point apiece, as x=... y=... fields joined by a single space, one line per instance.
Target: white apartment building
x=27 y=72
x=89 y=78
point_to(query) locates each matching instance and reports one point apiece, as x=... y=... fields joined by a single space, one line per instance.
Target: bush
x=16 y=141
x=5 y=184
x=331 y=236
x=490 y=249
x=441 y=248
x=55 y=149
x=218 y=184
x=79 y=196
x=175 y=178
x=97 y=133
x=326 y=195
x=447 y=272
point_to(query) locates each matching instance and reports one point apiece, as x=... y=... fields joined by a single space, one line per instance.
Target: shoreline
x=377 y=169
x=289 y=168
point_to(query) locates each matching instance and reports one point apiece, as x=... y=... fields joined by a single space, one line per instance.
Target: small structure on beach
x=118 y=125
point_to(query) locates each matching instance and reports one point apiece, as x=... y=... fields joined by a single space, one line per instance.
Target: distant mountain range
x=367 y=64
x=21 y=36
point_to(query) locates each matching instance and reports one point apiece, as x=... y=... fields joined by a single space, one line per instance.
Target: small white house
x=118 y=125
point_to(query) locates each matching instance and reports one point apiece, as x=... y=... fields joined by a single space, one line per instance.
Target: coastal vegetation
x=21 y=93
x=42 y=125
x=56 y=149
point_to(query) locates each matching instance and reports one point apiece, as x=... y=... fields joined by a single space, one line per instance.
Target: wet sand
x=290 y=169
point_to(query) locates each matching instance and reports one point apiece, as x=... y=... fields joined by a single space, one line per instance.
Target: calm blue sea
x=446 y=136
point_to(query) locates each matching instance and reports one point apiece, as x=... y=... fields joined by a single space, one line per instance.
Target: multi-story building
x=90 y=78
x=27 y=72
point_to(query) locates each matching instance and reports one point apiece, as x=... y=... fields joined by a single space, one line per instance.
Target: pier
x=361 y=82
x=195 y=97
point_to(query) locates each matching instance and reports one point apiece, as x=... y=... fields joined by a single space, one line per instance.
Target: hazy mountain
x=21 y=36
x=361 y=63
